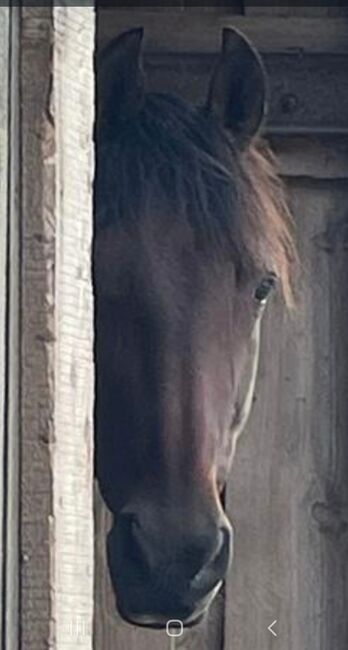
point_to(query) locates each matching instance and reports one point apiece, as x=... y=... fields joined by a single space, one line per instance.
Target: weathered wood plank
x=197 y=31
x=71 y=106
x=12 y=575
x=308 y=156
x=4 y=117
x=288 y=491
x=252 y=9
x=9 y=331
x=57 y=326
x=233 y=7
x=309 y=11
x=37 y=407
x=295 y=107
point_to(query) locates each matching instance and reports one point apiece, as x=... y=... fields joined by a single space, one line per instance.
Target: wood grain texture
x=288 y=490
x=11 y=592
x=198 y=31
x=311 y=157
x=57 y=328
x=9 y=283
x=71 y=107
x=37 y=360
x=4 y=182
x=233 y=7
x=279 y=9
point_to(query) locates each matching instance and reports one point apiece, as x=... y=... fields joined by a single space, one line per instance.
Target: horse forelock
x=176 y=159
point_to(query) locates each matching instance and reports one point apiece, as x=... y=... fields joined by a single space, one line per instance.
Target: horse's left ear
x=120 y=78
x=238 y=88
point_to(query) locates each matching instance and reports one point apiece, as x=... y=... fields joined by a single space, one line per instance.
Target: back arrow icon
x=270 y=628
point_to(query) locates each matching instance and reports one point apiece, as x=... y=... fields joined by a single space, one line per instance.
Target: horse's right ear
x=120 y=79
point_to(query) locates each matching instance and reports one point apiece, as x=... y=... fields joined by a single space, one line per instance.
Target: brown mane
x=175 y=155
x=269 y=221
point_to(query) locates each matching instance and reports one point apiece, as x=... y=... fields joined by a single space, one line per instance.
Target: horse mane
x=175 y=154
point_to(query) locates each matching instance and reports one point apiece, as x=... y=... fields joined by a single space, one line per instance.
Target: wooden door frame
x=10 y=331
x=46 y=328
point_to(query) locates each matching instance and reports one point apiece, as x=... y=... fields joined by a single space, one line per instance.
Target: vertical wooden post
x=56 y=406
x=4 y=116
x=9 y=328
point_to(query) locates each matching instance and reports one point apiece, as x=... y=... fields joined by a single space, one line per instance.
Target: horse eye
x=265 y=287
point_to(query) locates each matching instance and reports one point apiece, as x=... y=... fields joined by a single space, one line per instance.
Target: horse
x=192 y=234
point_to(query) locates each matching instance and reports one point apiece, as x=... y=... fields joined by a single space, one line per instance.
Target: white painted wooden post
x=72 y=451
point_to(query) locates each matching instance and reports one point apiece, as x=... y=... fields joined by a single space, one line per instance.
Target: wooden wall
x=46 y=199
x=288 y=488
x=288 y=493
x=56 y=526
x=5 y=29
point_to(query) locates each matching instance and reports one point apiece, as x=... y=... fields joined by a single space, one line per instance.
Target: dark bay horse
x=192 y=230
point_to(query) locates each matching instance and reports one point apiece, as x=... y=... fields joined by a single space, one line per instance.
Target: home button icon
x=174 y=628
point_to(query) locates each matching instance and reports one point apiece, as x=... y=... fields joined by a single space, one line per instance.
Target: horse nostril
x=215 y=570
x=131 y=542
x=177 y=566
x=191 y=559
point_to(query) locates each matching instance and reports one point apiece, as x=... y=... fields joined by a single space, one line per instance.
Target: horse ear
x=120 y=79
x=237 y=92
